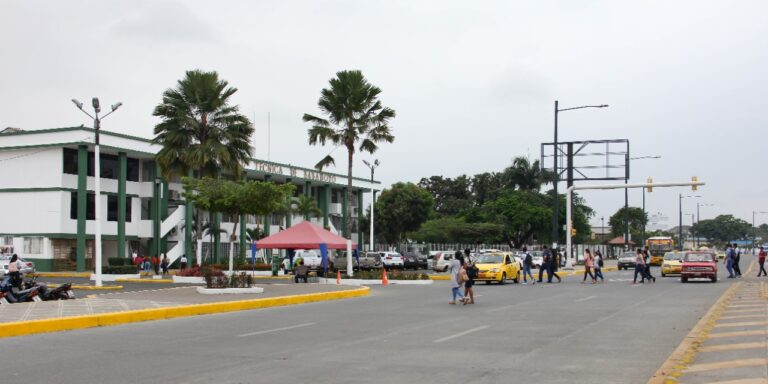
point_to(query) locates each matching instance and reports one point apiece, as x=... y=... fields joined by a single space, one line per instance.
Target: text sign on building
x=289 y=171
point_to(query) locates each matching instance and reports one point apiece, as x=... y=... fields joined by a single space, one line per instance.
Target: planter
x=189 y=279
x=105 y=277
x=229 y=291
x=323 y=280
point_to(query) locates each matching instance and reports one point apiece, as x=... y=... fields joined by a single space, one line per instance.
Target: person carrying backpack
x=598 y=266
x=527 y=266
x=546 y=258
x=471 y=271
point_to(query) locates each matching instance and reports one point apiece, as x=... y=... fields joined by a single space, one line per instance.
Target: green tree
x=526 y=176
x=401 y=209
x=456 y=230
x=451 y=196
x=237 y=198
x=307 y=207
x=723 y=229
x=486 y=187
x=637 y=219
x=354 y=116
x=200 y=131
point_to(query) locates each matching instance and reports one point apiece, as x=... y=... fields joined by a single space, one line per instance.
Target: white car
x=391 y=259
x=538 y=258
x=313 y=258
x=443 y=260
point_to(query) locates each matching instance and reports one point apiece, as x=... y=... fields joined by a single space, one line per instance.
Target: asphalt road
x=549 y=333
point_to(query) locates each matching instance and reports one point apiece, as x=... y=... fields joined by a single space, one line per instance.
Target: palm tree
x=354 y=115
x=306 y=207
x=526 y=176
x=211 y=229
x=200 y=131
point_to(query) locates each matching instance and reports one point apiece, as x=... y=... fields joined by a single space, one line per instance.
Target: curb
x=162 y=281
x=21 y=328
x=62 y=274
x=95 y=288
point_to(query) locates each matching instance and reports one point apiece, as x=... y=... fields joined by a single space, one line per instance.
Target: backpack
x=528 y=259
x=600 y=262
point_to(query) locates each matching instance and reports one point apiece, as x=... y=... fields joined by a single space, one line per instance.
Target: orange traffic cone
x=338 y=277
x=384 y=280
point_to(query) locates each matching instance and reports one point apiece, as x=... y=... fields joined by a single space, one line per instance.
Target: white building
x=47 y=201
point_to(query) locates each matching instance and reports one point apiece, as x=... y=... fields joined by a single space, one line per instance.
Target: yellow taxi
x=672 y=264
x=497 y=267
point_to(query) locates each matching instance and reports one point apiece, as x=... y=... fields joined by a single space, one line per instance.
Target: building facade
x=47 y=200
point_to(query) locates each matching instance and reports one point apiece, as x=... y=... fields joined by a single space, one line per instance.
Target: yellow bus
x=659 y=245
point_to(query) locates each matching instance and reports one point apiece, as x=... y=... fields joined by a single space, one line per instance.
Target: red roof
x=304 y=235
x=619 y=240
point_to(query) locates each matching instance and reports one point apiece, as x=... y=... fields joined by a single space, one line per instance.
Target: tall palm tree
x=200 y=131
x=355 y=116
x=526 y=176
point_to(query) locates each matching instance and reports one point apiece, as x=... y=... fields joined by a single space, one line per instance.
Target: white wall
x=31 y=168
x=32 y=212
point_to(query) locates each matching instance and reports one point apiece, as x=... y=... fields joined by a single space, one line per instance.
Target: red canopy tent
x=304 y=235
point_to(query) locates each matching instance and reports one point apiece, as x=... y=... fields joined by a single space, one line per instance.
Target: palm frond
x=325 y=162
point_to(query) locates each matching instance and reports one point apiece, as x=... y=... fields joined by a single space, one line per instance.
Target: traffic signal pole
x=569 y=204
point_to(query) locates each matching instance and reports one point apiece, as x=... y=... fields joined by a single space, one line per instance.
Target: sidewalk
x=164 y=303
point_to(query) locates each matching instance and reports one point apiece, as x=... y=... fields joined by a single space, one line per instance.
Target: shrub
x=214 y=278
x=244 y=267
x=118 y=270
x=118 y=261
x=391 y=275
x=191 y=271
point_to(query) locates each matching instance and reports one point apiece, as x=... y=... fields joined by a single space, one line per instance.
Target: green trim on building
x=344 y=213
x=82 y=178
x=42 y=265
x=326 y=198
x=68 y=236
x=307 y=169
x=359 y=215
x=66 y=129
x=188 y=223
x=122 y=159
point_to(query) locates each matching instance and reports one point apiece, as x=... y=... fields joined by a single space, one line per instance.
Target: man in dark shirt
x=553 y=264
x=545 y=263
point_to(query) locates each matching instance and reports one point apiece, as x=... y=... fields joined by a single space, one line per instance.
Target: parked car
x=27 y=267
x=497 y=267
x=538 y=258
x=413 y=260
x=366 y=260
x=443 y=260
x=391 y=259
x=626 y=260
x=313 y=258
x=699 y=264
x=672 y=264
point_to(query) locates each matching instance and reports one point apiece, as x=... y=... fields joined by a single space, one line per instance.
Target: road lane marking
x=745 y=310
x=742 y=381
x=480 y=328
x=727 y=364
x=720 y=335
x=584 y=299
x=276 y=330
x=759 y=316
x=742 y=324
x=739 y=306
x=732 y=347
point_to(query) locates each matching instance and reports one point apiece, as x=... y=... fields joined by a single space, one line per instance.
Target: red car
x=699 y=265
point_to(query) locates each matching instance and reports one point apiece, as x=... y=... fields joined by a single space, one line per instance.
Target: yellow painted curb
x=439 y=277
x=165 y=281
x=62 y=274
x=683 y=354
x=21 y=328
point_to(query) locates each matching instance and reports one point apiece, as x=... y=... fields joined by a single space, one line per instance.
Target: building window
x=146 y=208
x=6 y=240
x=33 y=245
x=335 y=197
x=112 y=209
x=110 y=165
x=90 y=210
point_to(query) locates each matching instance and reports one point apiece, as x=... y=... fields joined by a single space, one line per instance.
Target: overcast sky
x=473 y=83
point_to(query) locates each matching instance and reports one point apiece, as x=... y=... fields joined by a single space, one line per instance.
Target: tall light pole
x=555 y=211
x=97 y=175
x=754 y=232
x=373 y=199
x=626 y=203
x=698 y=217
x=680 y=227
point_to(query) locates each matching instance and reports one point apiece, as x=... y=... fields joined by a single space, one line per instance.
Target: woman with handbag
x=598 y=266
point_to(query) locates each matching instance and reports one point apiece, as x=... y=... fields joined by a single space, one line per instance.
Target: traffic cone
x=384 y=280
x=338 y=277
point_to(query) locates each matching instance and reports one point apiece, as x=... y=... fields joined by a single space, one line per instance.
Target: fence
x=607 y=251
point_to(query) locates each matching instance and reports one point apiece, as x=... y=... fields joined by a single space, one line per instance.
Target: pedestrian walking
x=471 y=272
x=148 y=265
x=647 y=258
x=183 y=263
x=588 y=264
x=598 y=266
x=164 y=264
x=456 y=284
x=639 y=266
x=761 y=263
x=138 y=261
x=156 y=264
x=527 y=266
x=736 y=259
x=729 y=257
x=552 y=268
x=546 y=258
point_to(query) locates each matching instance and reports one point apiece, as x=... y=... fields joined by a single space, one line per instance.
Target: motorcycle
x=62 y=292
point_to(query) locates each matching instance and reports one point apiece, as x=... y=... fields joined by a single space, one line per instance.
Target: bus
x=659 y=245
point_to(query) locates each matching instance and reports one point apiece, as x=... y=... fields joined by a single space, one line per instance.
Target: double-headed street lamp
x=373 y=199
x=97 y=175
x=680 y=227
x=555 y=211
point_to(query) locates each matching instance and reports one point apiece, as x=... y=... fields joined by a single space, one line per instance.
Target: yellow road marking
x=730 y=347
x=742 y=317
x=741 y=381
x=742 y=324
x=746 y=306
x=727 y=364
x=745 y=310
x=720 y=335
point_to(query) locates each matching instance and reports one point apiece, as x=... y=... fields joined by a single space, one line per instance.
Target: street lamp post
x=680 y=226
x=555 y=211
x=97 y=176
x=754 y=231
x=373 y=199
x=698 y=217
x=626 y=203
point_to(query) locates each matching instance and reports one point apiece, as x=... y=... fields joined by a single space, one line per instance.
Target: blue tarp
x=324 y=257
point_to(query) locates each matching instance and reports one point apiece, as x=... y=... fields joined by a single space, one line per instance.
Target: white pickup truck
x=313 y=259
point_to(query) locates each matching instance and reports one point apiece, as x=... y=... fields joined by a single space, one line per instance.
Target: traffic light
x=650 y=187
x=695 y=180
